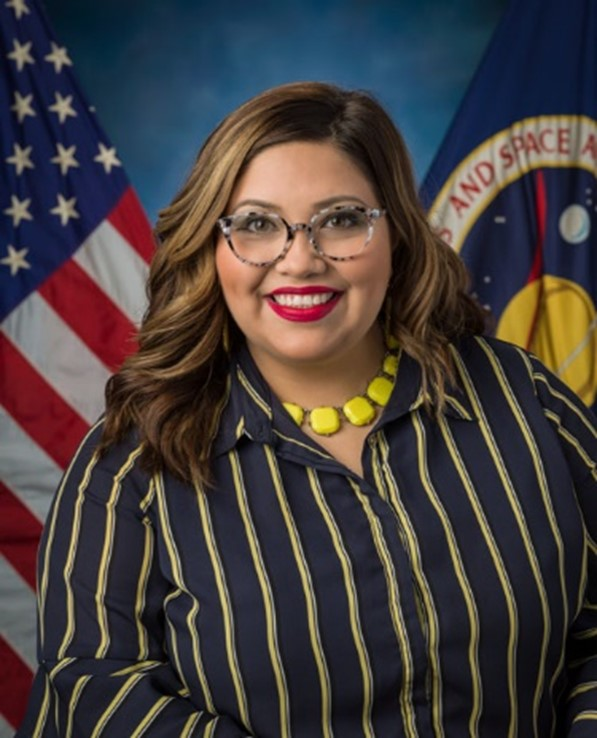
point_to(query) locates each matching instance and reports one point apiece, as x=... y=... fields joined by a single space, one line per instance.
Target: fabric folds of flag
x=74 y=251
x=513 y=187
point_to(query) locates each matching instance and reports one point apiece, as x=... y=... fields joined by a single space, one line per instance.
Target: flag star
x=62 y=107
x=65 y=158
x=22 y=106
x=21 y=158
x=16 y=260
x=21 y=54
x=107 y=157
x=19 y=7
x=18 y=210
x=59 y=57
x=65 y=209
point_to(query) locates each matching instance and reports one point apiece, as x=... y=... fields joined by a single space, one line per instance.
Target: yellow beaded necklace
x=358 y=410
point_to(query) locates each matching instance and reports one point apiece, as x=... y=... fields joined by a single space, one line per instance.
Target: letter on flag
x=513 y=187
x=74 y=250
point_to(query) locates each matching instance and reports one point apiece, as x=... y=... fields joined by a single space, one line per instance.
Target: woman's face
x=335 y=313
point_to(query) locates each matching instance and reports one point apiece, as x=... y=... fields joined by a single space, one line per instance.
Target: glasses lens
x=257 y=237
x=342 y=232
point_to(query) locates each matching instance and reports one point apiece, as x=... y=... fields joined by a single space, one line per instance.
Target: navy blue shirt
x=451 y=591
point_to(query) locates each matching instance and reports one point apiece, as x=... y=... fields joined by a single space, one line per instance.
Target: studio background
x=162 y=74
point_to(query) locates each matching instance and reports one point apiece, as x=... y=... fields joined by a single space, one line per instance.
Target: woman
x=319 y=504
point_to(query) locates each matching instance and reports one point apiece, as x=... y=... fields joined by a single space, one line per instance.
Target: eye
x=345 y=219
x=257 y=223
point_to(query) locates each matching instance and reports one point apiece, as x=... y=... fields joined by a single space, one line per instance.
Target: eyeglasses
x=339 y=233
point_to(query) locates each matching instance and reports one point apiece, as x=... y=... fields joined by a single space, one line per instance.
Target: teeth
x=303 y=301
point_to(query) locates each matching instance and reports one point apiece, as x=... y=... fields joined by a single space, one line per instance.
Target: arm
x=103 y=668
x=576 y=429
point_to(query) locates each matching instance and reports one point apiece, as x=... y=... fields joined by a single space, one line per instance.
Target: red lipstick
x=285 y=303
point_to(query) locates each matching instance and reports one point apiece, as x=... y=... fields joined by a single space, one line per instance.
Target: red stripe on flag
x=15 y=683
x=37 y=407
x=19 y=535
x=90 y=313
x=129 y=219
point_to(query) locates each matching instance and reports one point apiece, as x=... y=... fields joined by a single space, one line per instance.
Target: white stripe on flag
x=18 y=613
x=26 y=469
x=5 y=730
x=113 y=263
x=59 y=355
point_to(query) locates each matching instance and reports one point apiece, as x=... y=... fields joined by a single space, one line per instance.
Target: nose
x=301 y=259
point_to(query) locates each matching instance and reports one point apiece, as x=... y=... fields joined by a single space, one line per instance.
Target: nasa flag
x=513 y=187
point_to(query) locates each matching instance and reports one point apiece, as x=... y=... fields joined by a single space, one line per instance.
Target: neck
x=326 y=382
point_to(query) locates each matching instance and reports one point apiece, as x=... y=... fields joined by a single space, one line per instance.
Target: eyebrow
x=319 y=205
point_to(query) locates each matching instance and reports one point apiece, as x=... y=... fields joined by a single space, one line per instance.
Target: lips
x=303 y=304
x=303 y=301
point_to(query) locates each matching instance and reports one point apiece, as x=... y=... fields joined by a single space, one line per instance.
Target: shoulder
x=497 y=371
x=100 y=473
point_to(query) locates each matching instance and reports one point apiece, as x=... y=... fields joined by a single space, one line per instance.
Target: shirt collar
x=251 y=409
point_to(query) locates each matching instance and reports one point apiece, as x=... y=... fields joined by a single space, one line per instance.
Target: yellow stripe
x=192 y=614
x=406 y=706
x=430 y=616
x=584 y=635
x=499 y=567
x=570 y=405
x=73 y=702
x=210 y=728
x=190 y=724
x=515 y=504
x=310 y=600
x=573 y=441
x=352 y=600
x=582 y=688
x=142 y=588
x=40 y=723
x=586 y=715
x=459 y=571
x=119 y=698
x=253 y=394
x=306 y=446
x=137 y=667
x=104 y=566
x=51 y=528
x=227 y=612
x=151 y=715
x=267 y=596
x=70 y=558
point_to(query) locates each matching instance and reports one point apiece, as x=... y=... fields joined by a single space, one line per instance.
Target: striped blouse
x=449 y=592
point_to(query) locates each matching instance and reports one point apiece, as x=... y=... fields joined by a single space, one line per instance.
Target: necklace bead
x=359 y=410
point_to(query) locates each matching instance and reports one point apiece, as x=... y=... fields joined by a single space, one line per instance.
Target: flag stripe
x=40 y=410
x=16 y=678
x=19 y=535
x=90 y=313
x=18 y=613
x=130 y=221
x=26 y=468
x=59 y=355
x=114 y=265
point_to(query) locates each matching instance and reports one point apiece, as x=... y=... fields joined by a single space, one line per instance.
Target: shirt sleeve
x=576 y=427
x=104 y=668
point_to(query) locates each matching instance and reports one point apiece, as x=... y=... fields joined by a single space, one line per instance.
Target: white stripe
x=5 y=730
x=25 y=467
x=113 y=263
x=59 y=355
x=18 y=614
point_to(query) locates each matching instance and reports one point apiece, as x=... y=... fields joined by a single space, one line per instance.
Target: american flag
x=74 y=249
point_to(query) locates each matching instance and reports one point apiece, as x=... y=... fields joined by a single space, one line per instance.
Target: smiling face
x=306 y=310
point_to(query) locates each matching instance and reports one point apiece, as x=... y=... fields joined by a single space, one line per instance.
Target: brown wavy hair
x=172 y=391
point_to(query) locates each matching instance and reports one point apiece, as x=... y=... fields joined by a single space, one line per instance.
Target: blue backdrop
x=162 y=73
